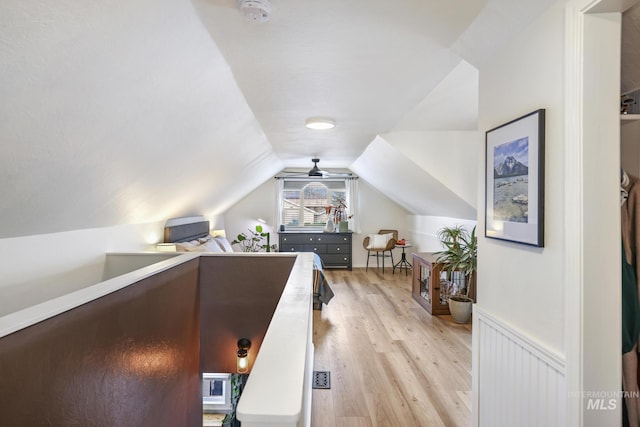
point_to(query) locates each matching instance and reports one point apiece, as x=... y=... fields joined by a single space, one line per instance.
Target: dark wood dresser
x=333 y=248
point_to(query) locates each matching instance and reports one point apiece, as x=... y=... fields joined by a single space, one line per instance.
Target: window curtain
x=353 y=203
x=279 y=205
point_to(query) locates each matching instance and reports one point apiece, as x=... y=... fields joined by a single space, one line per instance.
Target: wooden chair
x=368 y=244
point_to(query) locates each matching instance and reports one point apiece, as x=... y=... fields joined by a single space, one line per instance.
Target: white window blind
x=302 y=202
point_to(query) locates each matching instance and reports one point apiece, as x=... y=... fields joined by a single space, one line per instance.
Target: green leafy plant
x=237 y=384
x=257 y=240
x=460 y=253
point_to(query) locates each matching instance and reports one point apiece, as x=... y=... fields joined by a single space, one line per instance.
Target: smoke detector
x=255 y=10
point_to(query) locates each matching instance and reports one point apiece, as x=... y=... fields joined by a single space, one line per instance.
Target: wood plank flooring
x=392 y=364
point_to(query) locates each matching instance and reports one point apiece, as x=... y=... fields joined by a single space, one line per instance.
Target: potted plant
x=254 y=242
x=460 y=260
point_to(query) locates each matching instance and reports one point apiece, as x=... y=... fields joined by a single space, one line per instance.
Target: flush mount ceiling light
x=320 y=123
x=255 y=10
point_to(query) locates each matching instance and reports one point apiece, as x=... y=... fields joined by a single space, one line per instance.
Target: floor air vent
x=321 y=379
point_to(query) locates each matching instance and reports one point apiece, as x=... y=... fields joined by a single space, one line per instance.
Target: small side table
x=403 y=263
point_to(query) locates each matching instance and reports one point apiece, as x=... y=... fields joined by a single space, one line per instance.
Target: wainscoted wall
x=516 y=381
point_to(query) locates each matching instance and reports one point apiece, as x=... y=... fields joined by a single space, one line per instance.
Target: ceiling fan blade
x=316 y=172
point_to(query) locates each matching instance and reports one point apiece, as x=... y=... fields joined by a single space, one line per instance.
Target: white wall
x=522 y=285
x=451 y=157
x=244 y=215
x=51 y=264
x=423 y=231
x=408 y=183
x=32 y=257
x=376 y=211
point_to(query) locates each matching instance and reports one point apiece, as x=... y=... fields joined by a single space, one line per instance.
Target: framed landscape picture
x=514 y=208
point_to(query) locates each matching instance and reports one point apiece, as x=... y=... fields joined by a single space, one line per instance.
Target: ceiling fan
x=316 y=172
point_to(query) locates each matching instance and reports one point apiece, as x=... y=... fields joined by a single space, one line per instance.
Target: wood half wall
x=133 y=357
x=238 y=296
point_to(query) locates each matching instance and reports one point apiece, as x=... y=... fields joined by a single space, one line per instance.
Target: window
x=303 y=202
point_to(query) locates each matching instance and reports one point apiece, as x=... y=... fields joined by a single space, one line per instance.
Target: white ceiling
x=138 y=111
x=367 y=64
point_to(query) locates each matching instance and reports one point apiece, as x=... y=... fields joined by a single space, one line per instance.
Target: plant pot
x=460 y=308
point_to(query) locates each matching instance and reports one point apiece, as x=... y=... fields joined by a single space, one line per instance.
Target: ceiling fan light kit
x=255 y=10
x=315 y=170
x=320 y=123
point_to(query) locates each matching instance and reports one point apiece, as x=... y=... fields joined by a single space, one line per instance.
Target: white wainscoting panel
x=517 y=382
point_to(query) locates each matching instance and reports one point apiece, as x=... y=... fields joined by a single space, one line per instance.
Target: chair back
x=390 y=244
x=394 y=232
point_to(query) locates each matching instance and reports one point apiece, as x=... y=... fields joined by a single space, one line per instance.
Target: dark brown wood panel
x=238 y=296
x=132 y=358
x=129 y=358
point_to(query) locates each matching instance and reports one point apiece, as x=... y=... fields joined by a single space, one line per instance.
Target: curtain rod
x=316 y=178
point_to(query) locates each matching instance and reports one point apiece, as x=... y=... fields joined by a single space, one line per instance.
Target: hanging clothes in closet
x=630 y=221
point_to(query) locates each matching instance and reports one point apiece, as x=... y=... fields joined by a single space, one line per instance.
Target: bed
x=322 y=292
x=195 y=237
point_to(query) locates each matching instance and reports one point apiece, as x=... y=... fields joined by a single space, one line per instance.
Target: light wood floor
x=392 y=364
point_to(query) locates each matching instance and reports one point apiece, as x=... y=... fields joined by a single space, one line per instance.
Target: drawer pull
x=337 y=249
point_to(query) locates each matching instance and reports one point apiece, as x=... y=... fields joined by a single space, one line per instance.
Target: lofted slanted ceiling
x=131 y=112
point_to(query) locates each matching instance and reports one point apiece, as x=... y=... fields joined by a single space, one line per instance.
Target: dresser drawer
x=297 y=239
x=338 y=249
x=291 y=248
x=333 y=238
x=319 y=249
x=336 y=260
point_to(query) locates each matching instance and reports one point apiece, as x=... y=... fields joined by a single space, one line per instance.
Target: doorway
x=592 y=210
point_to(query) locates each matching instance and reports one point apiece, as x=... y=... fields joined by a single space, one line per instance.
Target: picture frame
x=514 y=180
x=216 y=392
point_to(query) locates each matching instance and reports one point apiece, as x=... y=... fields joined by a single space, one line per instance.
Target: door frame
x=592 y=210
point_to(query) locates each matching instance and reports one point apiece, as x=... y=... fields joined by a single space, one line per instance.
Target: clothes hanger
x=624 y=178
